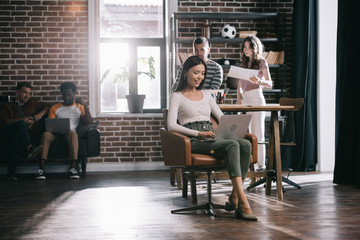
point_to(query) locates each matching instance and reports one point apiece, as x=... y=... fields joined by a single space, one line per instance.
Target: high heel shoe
x=229 y=205
x=244 y=216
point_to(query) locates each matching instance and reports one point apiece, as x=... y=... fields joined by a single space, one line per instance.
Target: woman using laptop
x=192 y=107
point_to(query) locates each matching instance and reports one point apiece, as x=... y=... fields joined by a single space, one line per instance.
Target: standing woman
x=251 y=93
x=192 y=107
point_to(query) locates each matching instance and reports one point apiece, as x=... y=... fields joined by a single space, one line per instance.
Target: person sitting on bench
x=76 y=111
x=19 y=125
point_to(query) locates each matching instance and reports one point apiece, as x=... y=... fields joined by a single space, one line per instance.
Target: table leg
x=275 y=120
x=270 y=165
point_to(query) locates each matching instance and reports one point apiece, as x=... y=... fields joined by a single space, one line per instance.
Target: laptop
x=57 y=125
x=232 y=127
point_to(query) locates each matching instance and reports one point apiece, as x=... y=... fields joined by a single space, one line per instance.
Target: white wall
x=326 y=85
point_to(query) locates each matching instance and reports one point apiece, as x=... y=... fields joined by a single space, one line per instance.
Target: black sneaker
x=73 y=174
x=40 y=175
x=11 y=177
x=34 y=152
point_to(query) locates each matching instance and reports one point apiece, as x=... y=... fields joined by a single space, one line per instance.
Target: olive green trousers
x=236 y=153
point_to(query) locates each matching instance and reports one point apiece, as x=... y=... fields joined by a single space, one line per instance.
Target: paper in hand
x=242 y=73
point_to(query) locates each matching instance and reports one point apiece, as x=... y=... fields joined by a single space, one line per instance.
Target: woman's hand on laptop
x=206 y=134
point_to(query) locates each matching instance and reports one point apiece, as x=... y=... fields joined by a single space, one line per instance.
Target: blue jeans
x=15 y=138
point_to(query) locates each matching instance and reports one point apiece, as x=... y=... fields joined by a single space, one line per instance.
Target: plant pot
x=135 y=103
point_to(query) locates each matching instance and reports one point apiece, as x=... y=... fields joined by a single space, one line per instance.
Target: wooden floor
x=136 y=205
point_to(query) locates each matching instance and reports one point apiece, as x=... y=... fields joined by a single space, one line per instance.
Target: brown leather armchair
x=177 y=153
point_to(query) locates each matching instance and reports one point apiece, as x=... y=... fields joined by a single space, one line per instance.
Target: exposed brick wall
x=193 y=28
x=130 y=139
x=46 y=43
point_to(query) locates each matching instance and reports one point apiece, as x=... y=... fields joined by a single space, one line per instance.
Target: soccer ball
x=228 y=31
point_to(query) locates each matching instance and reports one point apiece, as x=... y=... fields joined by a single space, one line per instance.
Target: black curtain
x=303 y=85
x=347 y=153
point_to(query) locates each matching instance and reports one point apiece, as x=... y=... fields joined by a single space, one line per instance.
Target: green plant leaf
x=122 y=73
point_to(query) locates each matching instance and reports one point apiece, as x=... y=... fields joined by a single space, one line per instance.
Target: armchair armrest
x=176 y=148
x=93 y=142
x=254 y=150
x=83 y=129
x=89 y=140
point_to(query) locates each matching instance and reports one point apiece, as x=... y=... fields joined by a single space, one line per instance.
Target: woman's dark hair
x=257 y=46
x=189 y=63
x=23 y=84
x=68 y=85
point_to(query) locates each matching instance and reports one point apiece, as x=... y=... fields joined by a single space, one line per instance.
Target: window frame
x=94 y=62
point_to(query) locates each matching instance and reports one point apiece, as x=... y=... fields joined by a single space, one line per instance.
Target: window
x=131 y=56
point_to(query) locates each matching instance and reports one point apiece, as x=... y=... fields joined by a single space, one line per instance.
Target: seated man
x=18 y=124
x=214 y=74
x=76 y=111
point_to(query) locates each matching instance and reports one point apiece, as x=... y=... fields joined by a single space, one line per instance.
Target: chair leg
x=83 y=166
x=257 y=183
x=185 y=184
x=172 y=176
x=209 y=206
x=193 y=186
x=263 y=180
x=175 y=173
x=288 y=181
x=179 y=178
x=269 y=174
x=252 y=169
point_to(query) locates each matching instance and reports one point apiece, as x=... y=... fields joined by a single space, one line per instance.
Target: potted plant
x=135 y=101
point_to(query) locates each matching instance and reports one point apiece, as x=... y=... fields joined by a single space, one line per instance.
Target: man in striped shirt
x=214 y=74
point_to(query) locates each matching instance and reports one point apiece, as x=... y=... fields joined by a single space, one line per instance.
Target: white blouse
x=185 y=110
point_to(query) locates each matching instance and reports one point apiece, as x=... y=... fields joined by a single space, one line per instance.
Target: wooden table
x=274 y=142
